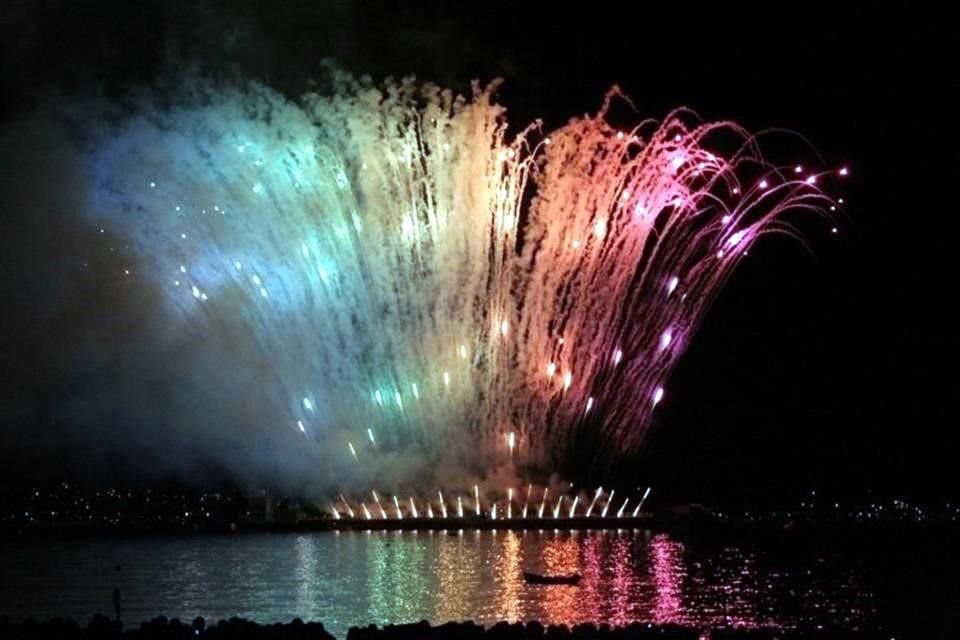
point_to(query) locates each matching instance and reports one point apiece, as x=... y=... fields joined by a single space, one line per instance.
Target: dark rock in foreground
x=163 y=629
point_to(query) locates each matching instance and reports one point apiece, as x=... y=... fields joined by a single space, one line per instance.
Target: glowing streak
x=366 y=512
x=551 y=369
x=463 y=351
x=370 y=435
x=644 y=498
x=556 y=510
x=567 y=379
x=493 y=512
x=429 y=510
x=617 y=356
x=511 y=442
x=383 y=513
x=526 y=501
x=353 y=451
x=416 y=392
x=603 y=514
x=459 y=507
x=594 y=501
x=396 y=504
x=334 y=512
x=504 y=328
x=589 y=405
x=476 y=497
x=543 y=503
x=573 y=507
x=622 y=507
x=398 y=399
x=446 y=379
x=347 y=505
x=413 y=508
x=378 y=397
x=510 y=504
x=443 y=505
x=302 y=429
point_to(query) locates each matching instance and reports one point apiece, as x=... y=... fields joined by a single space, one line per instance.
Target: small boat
x=536 y=578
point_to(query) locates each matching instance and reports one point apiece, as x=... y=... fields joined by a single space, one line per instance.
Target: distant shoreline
x=454 y=526
x=162 y=629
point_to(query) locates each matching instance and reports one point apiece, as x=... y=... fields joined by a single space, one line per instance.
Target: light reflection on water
x=356 y=578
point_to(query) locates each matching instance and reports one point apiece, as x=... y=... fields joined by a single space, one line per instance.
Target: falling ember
x=657 y=395
x=428 y=243
x=672 y=285
x=665 y=339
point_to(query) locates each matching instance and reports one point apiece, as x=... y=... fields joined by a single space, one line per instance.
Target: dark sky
x=832 y=368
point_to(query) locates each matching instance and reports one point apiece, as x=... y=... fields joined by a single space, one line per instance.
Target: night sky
x=831 y=368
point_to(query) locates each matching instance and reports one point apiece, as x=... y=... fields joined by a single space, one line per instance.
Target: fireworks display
x=403 y=278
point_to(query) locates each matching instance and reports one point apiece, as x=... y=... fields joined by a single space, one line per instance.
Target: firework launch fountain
x=410 y=283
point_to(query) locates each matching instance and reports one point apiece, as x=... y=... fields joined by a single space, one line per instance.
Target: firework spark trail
x=365 y=250
x=603 y=514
